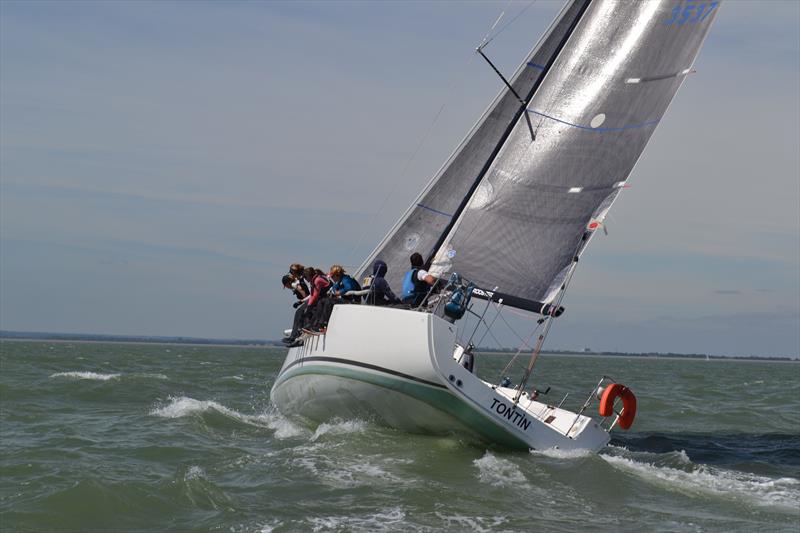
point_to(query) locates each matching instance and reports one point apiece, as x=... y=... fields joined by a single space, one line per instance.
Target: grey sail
x=542 y=197
x=432 y=215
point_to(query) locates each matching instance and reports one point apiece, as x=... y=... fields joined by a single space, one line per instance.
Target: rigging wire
x=451 y=85
x=524 y=344
x=487 y=39
x=489 y=327
x=562 y=292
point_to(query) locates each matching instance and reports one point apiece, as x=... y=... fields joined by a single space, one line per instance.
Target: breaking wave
x=338 y=427
x=706 y=480
x=97 y=376
x=184 y=406
x=85 y=375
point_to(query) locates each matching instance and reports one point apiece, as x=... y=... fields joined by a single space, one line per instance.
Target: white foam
x=85 y=375
x=478 y=524
x=555 y=453
x=194 y=472
x=269 y=528
x=498 y=472
x=338 y=427
x=391 y=519
x=758 y=490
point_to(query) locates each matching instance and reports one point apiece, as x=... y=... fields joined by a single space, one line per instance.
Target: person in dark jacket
x=320 y=284
x=379 y=291
x=298 y=287
x=309 y=308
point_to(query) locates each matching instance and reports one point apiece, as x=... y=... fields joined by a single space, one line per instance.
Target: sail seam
x=599 y=130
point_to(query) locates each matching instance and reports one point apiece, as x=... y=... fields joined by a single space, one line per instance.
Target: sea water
x=145 y=437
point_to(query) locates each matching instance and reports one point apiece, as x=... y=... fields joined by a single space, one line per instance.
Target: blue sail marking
x=628 y=127
x=435 y=211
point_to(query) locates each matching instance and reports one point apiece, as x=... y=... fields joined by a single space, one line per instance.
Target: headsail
x=423 y=227
x=540 y=200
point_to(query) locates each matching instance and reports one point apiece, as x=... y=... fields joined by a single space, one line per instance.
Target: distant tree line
x=646 y=354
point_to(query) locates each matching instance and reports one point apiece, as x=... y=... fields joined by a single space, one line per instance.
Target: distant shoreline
x=155 y=343
x=23 y=336
x=133 y=339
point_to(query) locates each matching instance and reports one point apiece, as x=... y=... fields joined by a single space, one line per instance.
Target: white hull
x=392 y=365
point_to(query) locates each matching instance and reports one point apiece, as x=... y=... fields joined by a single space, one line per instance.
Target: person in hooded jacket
x=379 y=291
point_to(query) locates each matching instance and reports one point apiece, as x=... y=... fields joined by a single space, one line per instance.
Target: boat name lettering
x=510 y=412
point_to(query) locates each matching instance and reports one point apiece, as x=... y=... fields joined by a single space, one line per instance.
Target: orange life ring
x=606 y=407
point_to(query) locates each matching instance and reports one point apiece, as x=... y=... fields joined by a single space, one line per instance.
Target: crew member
x=417 y=282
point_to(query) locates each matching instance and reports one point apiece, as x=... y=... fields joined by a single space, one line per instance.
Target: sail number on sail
x=682 y=13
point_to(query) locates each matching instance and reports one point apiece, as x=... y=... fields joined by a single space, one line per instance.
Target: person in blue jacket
x=417 y=282
x=342 y=283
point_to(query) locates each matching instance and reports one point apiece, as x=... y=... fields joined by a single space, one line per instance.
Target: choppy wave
x=782 y=492
x=479 y=524
x=86 y=375
x=497 y=471
x=328 y=462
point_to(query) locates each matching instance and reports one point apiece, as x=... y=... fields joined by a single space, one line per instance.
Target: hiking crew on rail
x=317 y=293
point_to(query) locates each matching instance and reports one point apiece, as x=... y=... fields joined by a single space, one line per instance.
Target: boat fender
x=610 y=394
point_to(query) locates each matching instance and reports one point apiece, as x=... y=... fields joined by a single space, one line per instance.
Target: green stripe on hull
x=440 y=399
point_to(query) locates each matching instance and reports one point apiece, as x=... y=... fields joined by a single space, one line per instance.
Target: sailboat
x=503 y=225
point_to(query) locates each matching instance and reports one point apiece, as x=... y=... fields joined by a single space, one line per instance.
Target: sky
x=162 y=163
